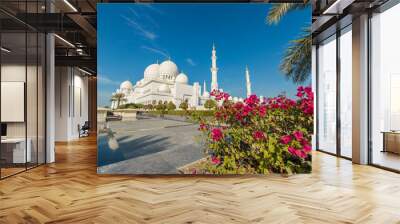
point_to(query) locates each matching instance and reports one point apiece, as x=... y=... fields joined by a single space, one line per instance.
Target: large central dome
x=152 y=71
x=168 y=70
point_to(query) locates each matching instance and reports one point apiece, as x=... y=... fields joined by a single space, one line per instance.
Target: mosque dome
x=168 y=69
x=164 y=88
x=152 y=71
x=127 y=85
x=182 y=78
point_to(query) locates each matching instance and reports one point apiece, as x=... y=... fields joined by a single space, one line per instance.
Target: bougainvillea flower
x=215 y=160
x=300 y=89
x=292 y=150
x=216 y=134
x=246 y=110
x=308 y=89
x=298 y=135
x=301 y=154
x=258 y=135
x=263 y=111
x=203 y=127
x=238 y=105
x=307 y=148
x=286 y=139
x=252 y=99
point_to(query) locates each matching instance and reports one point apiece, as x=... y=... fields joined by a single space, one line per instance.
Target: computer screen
x=3 y=129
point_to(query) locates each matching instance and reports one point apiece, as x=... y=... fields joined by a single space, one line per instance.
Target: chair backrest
x=86 y=125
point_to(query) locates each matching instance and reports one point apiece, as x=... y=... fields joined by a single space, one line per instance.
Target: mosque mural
x=160 y=113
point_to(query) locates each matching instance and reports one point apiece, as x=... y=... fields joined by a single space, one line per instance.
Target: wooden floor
x=70 y=191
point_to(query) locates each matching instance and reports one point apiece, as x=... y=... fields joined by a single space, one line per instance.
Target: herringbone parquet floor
x=70 y=191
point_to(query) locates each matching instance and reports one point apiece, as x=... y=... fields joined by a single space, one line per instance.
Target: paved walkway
x=149 y=146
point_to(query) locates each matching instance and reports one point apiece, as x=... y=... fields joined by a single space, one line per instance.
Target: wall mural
x=199 y=89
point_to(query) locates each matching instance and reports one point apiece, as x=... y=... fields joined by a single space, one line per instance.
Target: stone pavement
x=149 y=146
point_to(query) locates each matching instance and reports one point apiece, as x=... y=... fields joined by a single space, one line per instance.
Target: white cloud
x=141 y=31
x=157 y=51
x=134 y=12
x=190 y=62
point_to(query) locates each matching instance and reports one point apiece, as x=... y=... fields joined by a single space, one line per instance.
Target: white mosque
x=164 y=82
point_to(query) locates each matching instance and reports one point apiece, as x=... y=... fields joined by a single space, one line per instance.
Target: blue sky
x=132 y=36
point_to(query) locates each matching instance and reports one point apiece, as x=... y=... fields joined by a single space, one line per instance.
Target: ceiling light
x=5 y=50
x=337 y=7
x=65 y=41
x=70 y=5
x=84 y=71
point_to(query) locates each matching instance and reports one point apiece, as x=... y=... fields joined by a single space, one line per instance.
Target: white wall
x=71 y=102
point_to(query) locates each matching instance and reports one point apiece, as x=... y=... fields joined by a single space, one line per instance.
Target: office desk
x=13 y=150
x=391 y=141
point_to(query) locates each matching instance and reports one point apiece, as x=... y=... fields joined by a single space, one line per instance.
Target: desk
x=391 y=141
x=16 y=147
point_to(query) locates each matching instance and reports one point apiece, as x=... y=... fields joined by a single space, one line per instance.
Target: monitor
x=3 y=129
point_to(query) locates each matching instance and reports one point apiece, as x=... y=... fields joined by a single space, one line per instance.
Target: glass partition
x=22 y=98
x=13 y=115
x=385 y=89
x=327 y=95
x=346 y=92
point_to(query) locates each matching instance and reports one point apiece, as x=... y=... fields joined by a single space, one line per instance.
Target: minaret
x=214 y=69
x=204 y=87
x=248 y=83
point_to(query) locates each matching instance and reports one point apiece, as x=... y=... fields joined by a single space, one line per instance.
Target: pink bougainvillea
x=286 y=139
x=216 y=134
x=298 y=135
x=260 y=135
x=215 y=160
x=307 y=148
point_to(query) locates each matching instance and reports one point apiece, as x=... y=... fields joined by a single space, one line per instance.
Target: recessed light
x=84 y=71
x=70 y=5
x=5 y=50
x=64 y=40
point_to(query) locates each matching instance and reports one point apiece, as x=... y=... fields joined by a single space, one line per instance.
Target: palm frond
x=278 y=10
x=296 y=64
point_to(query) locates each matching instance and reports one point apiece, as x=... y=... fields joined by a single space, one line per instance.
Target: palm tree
x=118 y=97
x=296 y=63
x=278 y=10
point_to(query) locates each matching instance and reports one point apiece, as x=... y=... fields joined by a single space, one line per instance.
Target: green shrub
x=131 y=106
x=184 y=105
x=210 y=104
x=171 y=106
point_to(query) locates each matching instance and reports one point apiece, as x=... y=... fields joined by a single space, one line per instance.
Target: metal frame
x=381 y=9
x=338 y=152
x=338 y=98
x=44 y=74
